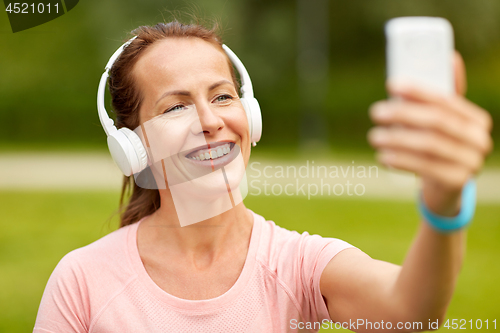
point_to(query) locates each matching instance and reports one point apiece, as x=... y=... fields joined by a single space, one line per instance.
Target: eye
x=223 y=99
x=177 y=107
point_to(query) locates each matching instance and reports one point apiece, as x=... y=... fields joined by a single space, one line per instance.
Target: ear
x=460 y=75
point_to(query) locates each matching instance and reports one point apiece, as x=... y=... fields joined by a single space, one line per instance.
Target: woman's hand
x=443 y=139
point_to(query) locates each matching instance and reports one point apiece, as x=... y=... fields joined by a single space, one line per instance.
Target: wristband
x=445 y=224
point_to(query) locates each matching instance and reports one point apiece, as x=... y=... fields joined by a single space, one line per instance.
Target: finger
x=457 y=104
x=460 y=74
x=426 y=143
x=449 y=174
x=430 y=117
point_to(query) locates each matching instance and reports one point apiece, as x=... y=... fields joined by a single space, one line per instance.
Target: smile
x=214 y=152
x=214 y=155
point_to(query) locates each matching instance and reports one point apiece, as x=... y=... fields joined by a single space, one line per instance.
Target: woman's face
x=191 y=117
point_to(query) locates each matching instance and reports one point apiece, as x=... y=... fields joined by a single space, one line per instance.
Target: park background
x=316 y=66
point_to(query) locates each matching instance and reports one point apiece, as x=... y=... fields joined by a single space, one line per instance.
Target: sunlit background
x=316 y=66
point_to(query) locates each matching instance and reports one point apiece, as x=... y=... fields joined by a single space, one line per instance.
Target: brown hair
x=126 y=102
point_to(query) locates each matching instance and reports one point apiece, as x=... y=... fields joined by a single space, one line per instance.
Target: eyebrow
x=187 y=93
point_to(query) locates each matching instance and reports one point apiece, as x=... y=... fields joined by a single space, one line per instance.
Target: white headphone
x=126 y=147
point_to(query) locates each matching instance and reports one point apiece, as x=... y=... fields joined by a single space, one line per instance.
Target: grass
x=39 y=228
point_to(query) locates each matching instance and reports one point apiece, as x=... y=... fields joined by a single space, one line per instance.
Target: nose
x=210 y=121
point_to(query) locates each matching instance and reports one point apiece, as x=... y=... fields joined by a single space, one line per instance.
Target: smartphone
x=420 y=51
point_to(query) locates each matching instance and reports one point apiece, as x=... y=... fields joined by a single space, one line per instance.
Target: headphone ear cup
x=246 y=107
x=127 y=151
x=139 y=150
x=254 y=117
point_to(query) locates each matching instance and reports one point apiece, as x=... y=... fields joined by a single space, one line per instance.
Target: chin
x=219 y=182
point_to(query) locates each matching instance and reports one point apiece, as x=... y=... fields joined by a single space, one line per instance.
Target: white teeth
x=215 y=153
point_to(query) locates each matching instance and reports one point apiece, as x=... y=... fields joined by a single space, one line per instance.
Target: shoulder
x=83 y=281
x=107 y=252
x=296 y=261
x=279 y=246
x=97 y=270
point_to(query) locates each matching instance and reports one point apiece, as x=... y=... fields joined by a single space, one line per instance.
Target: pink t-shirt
x=104 y=287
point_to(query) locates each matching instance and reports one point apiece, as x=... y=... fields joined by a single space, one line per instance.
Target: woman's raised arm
x=444 y=140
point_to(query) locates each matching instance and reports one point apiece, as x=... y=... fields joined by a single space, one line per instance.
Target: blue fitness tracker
x=445 y=224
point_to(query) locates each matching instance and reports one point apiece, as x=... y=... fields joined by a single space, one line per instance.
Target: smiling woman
x=189 y=256
x=128 y=100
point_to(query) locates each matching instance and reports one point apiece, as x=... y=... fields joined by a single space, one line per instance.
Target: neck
x=225 y=231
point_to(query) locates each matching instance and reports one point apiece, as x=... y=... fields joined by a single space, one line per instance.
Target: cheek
x=238 y=123
x=164 y=136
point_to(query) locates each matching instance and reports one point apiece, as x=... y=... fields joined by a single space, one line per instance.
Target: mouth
x=215 y=154
x=212 y=151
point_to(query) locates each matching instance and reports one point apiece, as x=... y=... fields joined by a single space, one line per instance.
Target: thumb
x=460 y=75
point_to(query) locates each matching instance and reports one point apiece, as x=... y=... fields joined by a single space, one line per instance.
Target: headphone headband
x=246 y=84
x=117 y=53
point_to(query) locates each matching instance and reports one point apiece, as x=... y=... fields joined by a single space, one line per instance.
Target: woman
x=234 y=271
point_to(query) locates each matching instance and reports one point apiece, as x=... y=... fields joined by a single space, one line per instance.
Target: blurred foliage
x=49 y=74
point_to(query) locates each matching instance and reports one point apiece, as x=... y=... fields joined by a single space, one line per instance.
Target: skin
x=415 y=133
x=443 y=139
x=204 y=259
